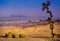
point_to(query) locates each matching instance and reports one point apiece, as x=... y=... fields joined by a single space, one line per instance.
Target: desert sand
x=34 y=31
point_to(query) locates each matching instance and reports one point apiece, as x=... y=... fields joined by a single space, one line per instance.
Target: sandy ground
x=28 y=39
x=36 y=31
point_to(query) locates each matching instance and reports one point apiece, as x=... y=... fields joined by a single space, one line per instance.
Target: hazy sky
x=28 y=8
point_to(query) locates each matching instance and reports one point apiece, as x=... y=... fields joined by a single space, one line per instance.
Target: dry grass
x=27 y=39
x=33 y=33
x=36 y=31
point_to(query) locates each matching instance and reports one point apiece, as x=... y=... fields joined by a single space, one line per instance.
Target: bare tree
x=50 y=18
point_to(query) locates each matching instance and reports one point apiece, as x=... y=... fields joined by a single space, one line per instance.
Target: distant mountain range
x=18 y=18
x=21 y=18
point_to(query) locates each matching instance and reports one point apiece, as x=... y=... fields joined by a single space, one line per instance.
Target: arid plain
x=35 y=30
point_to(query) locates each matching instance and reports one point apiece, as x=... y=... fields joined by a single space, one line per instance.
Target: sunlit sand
x=34 y=31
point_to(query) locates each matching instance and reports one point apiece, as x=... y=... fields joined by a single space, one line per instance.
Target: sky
x=28 y=8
